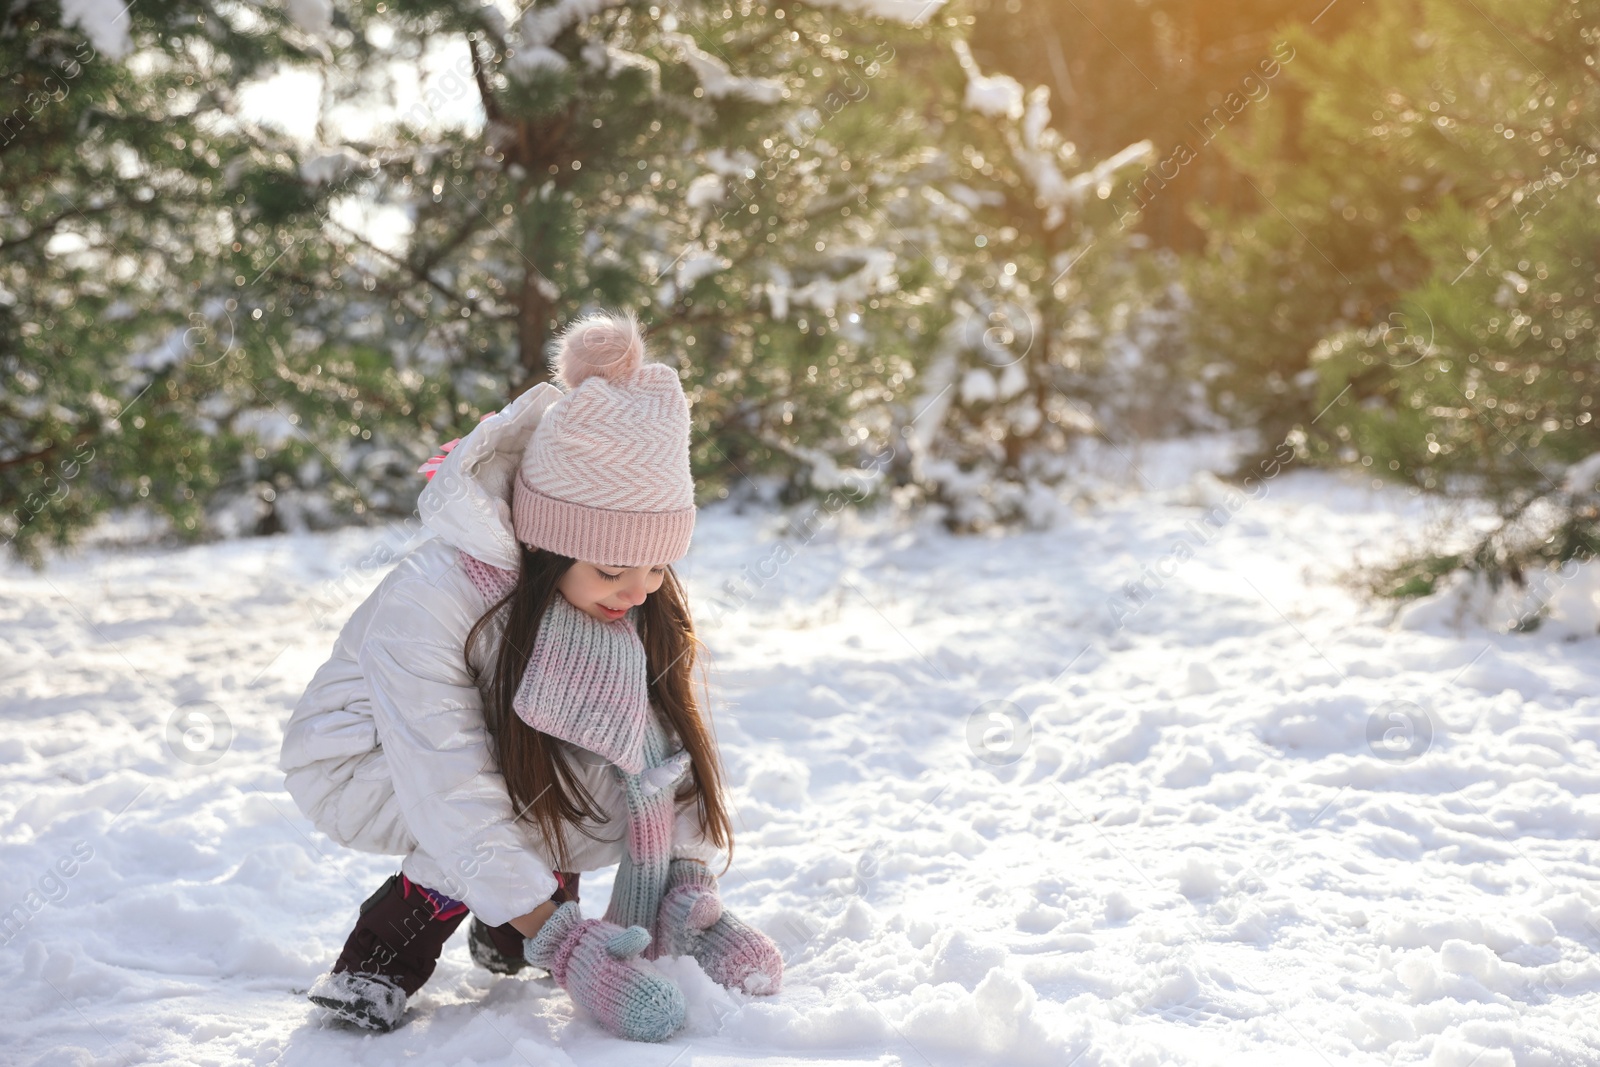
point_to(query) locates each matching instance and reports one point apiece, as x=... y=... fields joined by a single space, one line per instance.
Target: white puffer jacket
x=387 y=750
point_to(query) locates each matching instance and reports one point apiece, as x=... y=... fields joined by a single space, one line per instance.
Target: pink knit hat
x=605 y=476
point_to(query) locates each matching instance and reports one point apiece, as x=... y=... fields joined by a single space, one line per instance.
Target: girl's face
x=606 y=593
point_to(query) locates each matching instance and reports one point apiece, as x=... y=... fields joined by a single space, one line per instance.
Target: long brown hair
x=545 y=790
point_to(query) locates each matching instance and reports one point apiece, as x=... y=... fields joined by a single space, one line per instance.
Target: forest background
x=258 y=261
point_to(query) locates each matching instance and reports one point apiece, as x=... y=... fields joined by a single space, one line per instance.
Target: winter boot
x=392 y=951
x=492 y=947
x=368 y=1000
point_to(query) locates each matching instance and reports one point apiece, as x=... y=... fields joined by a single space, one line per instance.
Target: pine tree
x=1481 y=380
x=219 y=342
x=724 y=169
x=1326 y=245
x=1155 y=70
x=131 y=198
x=1050 y=331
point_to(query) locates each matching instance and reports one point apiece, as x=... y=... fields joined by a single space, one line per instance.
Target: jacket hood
x=468 y=500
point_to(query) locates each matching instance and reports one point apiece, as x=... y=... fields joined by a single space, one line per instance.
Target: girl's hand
x=528 y=925
x=688 y=907
x=598 y=963
x=692 y=921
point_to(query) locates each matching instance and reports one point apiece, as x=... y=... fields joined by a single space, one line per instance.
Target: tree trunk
x=534 y=312
x=537 y=146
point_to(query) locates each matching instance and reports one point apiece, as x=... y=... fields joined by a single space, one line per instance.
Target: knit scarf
x=587 y=683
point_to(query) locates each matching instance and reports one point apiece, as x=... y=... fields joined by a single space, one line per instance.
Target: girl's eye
x=619 y=574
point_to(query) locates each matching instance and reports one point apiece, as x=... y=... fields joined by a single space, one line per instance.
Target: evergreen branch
x=50 y=449
x=48 y=228
x=418 y=271
x=440 y=251
x=491 y=107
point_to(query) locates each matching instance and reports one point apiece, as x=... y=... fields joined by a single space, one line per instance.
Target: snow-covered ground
x=995 y=809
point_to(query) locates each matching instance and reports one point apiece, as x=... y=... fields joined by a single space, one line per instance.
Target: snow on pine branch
x=104 y=22
x=1036 y=146
x=718 y=81
x=998 y=96
x=542 y=25
x=908 y=12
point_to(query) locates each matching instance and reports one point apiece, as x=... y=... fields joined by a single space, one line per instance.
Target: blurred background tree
x=246 y=331
x=901 y=249
x=1479 y=380
x=131 y=196
x=1008 y=212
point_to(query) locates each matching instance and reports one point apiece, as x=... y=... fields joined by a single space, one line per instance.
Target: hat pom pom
x=599 y=345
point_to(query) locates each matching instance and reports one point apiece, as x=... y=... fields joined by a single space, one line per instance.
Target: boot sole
x=359 y=1012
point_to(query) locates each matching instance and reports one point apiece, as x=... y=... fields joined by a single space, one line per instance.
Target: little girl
x=513 y=706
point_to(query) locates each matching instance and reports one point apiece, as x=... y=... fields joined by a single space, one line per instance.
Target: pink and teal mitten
x=596 y=962
x=693 y=922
